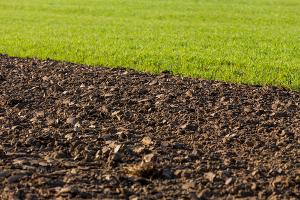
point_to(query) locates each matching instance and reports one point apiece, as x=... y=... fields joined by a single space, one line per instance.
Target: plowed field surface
x=70 y=131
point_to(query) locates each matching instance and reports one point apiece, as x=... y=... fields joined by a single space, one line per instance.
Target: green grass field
x=243 y=41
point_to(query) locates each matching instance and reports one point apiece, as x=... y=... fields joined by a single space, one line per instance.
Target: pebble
x=146 y=141
x=229 y=181
x=68 y=190
x=71 y=120
x=13 y=179
x=5 y=173
x=116 y=157
x=210 y=176
x=177 y=145
x=188 y=185
x=40 y=114
x=150 y=157
x=167 y=174
x=117 y=148
x=189 y=94
x=153 y=82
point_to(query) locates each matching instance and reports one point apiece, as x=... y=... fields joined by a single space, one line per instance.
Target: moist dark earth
x=71 y=131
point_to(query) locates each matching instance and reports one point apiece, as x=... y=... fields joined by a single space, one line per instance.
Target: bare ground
x=70 y=131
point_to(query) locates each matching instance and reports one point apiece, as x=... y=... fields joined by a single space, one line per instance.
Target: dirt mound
x=76 y=131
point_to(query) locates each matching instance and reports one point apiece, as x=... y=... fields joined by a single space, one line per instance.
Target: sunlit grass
x=253 y=42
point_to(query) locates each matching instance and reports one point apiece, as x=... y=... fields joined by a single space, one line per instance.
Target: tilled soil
x=89 y=132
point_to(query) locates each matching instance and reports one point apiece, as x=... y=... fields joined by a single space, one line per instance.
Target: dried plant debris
x=70 y=131
x=144 y=170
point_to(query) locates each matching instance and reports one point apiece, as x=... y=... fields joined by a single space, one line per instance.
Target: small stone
x=177 y=145
x=50 y=121
x=129 y=148
x=104 y=137
x=114 y=159
x=146 y=141
x=186 y=159
x=71 y=120
x=254 y=173
x=188 y=185
x=50 y=160
x=5 y=173
x=92 y=126
x=195 y=152
x=165 y=144
x=140 y=150
x=167 y=174
x=43 y=164
x=111 y=144
x=82 y=85
x=194 y=155
x=253 y=186
x=229 y=181
x=74 y=171
x=40 y=114
x=116 y=113
x=228 y=138
x=21 y=161
x=58 y=88
x=210 y=176
x=248 y=110
x=106 y=108
x=188 y=126
x=159 y=195
x=117 y=148
x=189 y=94
x=153 y=82
x=13 y=179
x=108 y=95
x=69 y=136
x=117 y=157
x=91 y=87
x=105 y=151
x=68 y=190
x=119 y=115
x=150 y=157
x=159 y=96
x=34 y=120
x=77 y=124
x=134 y=197
x=76 y=129
x=98 y=154
x=177 y=172
x=45 y=78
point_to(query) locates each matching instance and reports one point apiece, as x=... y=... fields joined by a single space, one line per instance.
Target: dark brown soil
x=75 y=131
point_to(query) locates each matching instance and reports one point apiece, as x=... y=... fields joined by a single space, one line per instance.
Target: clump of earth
x=71 y=131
